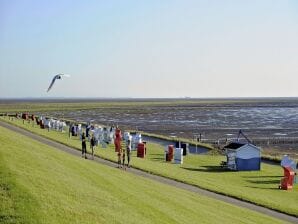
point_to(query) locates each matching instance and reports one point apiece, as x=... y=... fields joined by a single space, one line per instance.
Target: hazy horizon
x=145 y=98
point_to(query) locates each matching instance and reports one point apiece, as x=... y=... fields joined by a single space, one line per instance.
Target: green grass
x=259 y=187
x=39 y=184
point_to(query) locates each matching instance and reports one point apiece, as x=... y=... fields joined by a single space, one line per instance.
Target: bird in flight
x=59 y=76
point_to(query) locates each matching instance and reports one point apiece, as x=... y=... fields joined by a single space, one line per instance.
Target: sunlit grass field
x=259 y=187
x=39 y=184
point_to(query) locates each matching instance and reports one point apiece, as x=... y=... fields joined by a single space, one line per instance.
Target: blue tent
x=243 y=157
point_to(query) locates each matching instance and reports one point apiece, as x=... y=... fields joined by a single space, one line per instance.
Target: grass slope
x=259 y=187
x=42 y=185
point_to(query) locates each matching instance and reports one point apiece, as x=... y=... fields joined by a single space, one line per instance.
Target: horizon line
x=160 y=98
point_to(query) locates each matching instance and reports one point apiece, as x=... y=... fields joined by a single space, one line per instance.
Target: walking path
x=160 y=179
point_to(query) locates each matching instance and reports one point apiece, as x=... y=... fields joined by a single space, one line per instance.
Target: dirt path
x=160 y=179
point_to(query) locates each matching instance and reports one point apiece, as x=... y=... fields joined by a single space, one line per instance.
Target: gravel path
x=160 y=179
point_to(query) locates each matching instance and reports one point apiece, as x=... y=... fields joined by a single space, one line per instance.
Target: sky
x=149 y=48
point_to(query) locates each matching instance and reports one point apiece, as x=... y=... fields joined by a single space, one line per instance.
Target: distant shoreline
x=135 y=99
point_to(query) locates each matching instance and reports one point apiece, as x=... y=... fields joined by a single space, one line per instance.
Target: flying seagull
x=59 y=76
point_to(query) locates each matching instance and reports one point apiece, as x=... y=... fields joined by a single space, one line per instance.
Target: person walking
x=70 y=130
x=123 y=158
x=92 y=145
x=84 y=149
x=49 y=125
x=117 y=139
x=128 y=151
x=119 y=158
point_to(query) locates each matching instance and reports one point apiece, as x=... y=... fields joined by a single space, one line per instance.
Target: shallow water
x=212 y=121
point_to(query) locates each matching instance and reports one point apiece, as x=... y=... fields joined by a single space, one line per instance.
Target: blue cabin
x=243 y=156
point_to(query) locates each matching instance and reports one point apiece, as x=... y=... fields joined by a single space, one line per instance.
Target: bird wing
x=52 y=83
x=65 y=75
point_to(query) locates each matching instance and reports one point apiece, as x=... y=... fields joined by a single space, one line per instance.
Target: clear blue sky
x=149 y=48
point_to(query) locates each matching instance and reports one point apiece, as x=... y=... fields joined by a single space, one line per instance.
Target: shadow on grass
x=157 y=159
x=264 y=181
x=9 y=218
x=267 y=188
x=156 y=154
x=262 y=176
x=208 y=169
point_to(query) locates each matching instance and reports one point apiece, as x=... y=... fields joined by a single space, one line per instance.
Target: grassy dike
x=42 y=185
x=259 y=187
